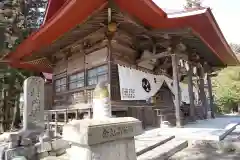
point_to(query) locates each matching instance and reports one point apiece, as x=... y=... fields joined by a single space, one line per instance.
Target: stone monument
x=103 y=137
x=33 y=111
x=108 y=139
x=31 y=142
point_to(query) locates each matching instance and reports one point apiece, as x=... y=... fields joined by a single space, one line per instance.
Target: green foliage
x=226 y=88
x=235 y=47
x=18 y=18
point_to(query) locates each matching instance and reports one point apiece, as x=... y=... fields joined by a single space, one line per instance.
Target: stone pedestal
x=107 y=139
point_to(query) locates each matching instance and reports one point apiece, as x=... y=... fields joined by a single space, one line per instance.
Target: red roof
x=63 y=15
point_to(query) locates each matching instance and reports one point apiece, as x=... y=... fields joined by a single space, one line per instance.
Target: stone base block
x=42 y=155
x=19 y=158
x=107 y=139
x=60 y=144
x=52 y=153
x=123 y=149
x=60 y=152
x=90 y=131
x=43 y=147
x=28 y=152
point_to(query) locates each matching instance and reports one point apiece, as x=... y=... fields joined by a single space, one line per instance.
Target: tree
x=235 y=47
x=35 y=12
x=18 y=18
x=226 y=88
x=193 y=4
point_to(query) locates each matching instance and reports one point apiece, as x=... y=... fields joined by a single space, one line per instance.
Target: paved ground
x=231 y=151
x=211 y=129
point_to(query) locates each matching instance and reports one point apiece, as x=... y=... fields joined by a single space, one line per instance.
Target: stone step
x=164 y=151
x=231 y=143
x=144 y=144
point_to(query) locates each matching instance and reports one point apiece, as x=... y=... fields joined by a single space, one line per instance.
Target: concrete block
x=43 y=147
x=19 y=158
x=90 y=131
x=13 y=137
x=60 y=144
x=60 y=151
x=54 y=158
x=52 y=153
x=123 y=149
x=42 y=155
x=13 y=144
x=26 y=142
x=106 y=139
x=28 y=152
x=3 y=148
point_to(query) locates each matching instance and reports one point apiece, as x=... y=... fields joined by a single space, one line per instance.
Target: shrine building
x=157 y=64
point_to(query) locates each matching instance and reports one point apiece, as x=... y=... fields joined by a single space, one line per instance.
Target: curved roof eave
x=202 y=22
x=62 y=21
x=206 y=28
x=52 y=7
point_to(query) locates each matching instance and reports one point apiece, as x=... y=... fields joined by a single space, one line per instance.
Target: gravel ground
x=204 y=154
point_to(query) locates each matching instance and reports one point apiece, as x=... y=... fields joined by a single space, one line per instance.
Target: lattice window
x=96 y=75
x=89 y=96
x=76 y=80
x=60 y=85
x=78 y=97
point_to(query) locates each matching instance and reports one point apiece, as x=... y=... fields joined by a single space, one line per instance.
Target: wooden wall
x=77 y=63
x=48 y=95
x=82 y=62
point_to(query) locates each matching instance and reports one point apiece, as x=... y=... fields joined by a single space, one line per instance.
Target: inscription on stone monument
x=116 y=131
x=33 y=112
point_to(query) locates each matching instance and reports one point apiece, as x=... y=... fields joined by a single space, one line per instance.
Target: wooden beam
x=191 y=93
x=101 y=30
x=110 y=60
x=154 y=56
x=180 y=32
x=176 y=87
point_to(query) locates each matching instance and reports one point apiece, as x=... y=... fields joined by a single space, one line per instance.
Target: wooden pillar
x=191 y=93
x=209 y=83
x=110 y=71
x=89 y=113
x=202 y=91
x=76 y=114
x=85 y=79
x=176 y=88
x=56 y=123
x=66 y=116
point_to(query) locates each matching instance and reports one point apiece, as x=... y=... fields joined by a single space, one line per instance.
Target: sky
x=226 y=12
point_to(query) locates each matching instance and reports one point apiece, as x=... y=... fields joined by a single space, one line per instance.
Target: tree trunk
x=16 y=120
x=3 y=95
